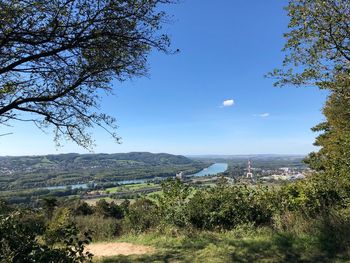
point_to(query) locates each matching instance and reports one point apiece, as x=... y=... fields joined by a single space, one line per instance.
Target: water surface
x=214 y=169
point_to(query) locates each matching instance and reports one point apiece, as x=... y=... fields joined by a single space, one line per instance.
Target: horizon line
x=186 y=155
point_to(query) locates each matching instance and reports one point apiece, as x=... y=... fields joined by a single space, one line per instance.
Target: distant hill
x=248 y=156
x=85 y=161
x=37 y=171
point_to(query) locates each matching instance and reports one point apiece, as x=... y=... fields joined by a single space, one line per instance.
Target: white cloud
x=228 y=103
x=262 y=115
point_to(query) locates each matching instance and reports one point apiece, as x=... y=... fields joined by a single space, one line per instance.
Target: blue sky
x=226 y=49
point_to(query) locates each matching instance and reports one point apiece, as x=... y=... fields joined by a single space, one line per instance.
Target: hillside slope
x=49 y=170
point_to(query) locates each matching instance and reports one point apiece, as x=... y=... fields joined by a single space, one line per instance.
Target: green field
x=130 y=187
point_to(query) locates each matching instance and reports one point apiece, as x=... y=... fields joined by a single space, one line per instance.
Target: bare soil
x=118 y=248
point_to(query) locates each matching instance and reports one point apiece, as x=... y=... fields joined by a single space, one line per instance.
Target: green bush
x=5 y=208
x=228 y=207
x=141 y=216
x=19 y=235
x=333 y=232
x=315 y=195
x=173 y=203
x=102 y=229
x=81 y=208
x=105 y=209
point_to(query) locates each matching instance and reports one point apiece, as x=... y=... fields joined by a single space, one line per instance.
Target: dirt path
x=118 y=248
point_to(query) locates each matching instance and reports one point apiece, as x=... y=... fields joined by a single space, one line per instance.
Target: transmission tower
x=249 y=170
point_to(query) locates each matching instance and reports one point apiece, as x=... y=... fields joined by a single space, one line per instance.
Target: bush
x=333 y=231
x=141 y=216
x=292 y=222
x=81 y=208
x=5 y=208
x=173 y=203
x=329 y=231
x=315 y=195
x=102 y=229
x=105 y=209
x=19 y=235
x=229 y=206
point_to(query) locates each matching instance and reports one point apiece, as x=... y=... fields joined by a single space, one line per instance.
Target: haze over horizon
x=184 y=154
x=210 y=99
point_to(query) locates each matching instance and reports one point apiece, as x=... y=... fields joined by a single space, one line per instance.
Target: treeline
x=31 y=197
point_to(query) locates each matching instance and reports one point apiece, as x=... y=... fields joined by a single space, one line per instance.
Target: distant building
x=179 y=176
x=285 y=169
x=283 y=177
x=297 y=176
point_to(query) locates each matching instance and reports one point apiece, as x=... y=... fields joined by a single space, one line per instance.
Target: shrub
x=102 y=229
x=315 y=195
x=5 y=208
x=225 y=207
x=173 y=203
x=141 y=216
x=57 y=226
x=105 y=209
x=333 y=231
x=19 y=235
x=82 y=208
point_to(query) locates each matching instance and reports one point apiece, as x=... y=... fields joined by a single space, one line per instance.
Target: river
x=214 y=169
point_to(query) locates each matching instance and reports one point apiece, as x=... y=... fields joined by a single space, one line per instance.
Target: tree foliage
x=105 y=209
x=318 y=53
x=227 y=207
x=173 y=202
x=317 y=44
x=142 y=215
x=58 y=56
x=334 y=138
x=20 y=233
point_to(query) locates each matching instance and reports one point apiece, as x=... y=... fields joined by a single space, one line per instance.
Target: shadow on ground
x=211 y=248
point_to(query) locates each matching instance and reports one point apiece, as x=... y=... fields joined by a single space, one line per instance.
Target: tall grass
x=103 y=229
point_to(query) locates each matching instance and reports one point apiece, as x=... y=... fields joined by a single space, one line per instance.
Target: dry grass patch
x=118 y=248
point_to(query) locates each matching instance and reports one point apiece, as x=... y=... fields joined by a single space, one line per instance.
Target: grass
x=93 y=201
x=244 y=244
x=130 y=187
x=103 y=229
x=154 y=196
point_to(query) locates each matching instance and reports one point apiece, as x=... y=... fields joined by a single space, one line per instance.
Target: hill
x=23 y=172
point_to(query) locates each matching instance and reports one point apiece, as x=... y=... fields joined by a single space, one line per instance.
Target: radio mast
x=249 y=170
